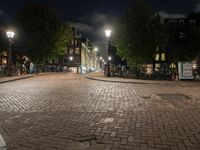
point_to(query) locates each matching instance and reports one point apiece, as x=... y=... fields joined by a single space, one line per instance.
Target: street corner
x=2 y=143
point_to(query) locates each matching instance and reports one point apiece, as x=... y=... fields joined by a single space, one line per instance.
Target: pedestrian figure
x=31 y=68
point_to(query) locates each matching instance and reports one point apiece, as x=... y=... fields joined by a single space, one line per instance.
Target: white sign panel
x=185 y=70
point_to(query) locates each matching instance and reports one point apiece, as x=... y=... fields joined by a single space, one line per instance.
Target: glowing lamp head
x=70 y=58
x=10 y=34
x=95 y=49
x=108 y=32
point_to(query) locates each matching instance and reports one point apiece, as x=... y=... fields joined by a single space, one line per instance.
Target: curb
x=98 y=79
x=2 y=143
x=20 y=78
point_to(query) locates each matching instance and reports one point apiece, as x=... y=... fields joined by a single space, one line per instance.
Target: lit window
x=76 y=42
x=71 y=51
x=157 y=65
x=4 y=53
x=4 y=61
x=181 y=35
x=172 y=66
x=157 y=57
x=77 y=51
x=194 y=66
x=163 y=57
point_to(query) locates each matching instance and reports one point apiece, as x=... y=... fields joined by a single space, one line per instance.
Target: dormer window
x=192 y=23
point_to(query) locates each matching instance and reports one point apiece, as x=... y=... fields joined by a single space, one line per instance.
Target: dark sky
x=73 y=9
x=91 y=16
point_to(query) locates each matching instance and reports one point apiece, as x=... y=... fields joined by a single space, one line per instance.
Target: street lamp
x=71 y=58
x=109 y=58
x=108 y=35
x=96 y=49
x=10 y=36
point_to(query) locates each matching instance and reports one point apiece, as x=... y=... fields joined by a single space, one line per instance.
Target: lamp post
x=94 y=58
x=100 y=63
x=70 y=63
x=10 y=36
x=108 y=35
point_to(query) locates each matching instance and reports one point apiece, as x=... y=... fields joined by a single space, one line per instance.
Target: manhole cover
x=174 y=96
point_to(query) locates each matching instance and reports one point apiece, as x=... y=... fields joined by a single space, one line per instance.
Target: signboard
x=185 y=70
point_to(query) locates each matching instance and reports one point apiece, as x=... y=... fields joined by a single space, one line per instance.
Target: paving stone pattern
x=69 y=112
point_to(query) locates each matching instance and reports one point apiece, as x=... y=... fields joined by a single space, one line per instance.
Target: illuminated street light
x=109 y=58
x=100 y=58
x=108 y=33
x=95 y=49
x=10 y=36
x=71 y=58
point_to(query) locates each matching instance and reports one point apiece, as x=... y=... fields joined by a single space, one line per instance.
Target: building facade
x=80 y=56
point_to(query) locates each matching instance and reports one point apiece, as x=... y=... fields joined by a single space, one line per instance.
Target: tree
x=138 y=32
x=39 y=33
x=62 y=38
x=4 y=43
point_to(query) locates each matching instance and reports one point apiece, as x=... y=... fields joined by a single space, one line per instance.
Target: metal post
x=108 y=62
x=10 y=54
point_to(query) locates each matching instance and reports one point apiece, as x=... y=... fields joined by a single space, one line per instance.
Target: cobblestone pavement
x=69 y=112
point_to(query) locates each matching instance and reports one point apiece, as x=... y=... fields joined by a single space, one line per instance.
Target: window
x=77 y=60
x=4 y=61
x=4 y=53
x=76 y=42
x=71 y=51
x=181 y=24
x=163 y=57
x=72 y=42
x=157 y=65
x=181 y=35
x=65 y=61
x=77 y=50
x=157 y=57
x=192 y=23
x=172 y=65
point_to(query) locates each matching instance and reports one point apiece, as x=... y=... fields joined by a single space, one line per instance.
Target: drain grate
x=174 y=96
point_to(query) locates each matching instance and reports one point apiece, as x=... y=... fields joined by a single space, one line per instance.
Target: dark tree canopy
x=39 y=32
x=4 y=43
x=138 y=32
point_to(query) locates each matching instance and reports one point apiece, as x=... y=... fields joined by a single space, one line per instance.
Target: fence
x=140 y=73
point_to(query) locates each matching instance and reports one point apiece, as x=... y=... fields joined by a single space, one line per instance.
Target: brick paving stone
x=55 y=111
x=113 y=134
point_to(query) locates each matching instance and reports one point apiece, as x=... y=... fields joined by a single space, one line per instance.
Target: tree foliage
x=41 y=33
x=4 y=43
x=138 y=32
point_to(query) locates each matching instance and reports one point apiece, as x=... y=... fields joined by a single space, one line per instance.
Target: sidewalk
x=19 y=77
x=100 y=77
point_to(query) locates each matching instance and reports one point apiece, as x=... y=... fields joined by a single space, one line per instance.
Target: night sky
x=92 y=16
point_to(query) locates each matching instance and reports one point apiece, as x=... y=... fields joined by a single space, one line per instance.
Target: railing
x=140 y=73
